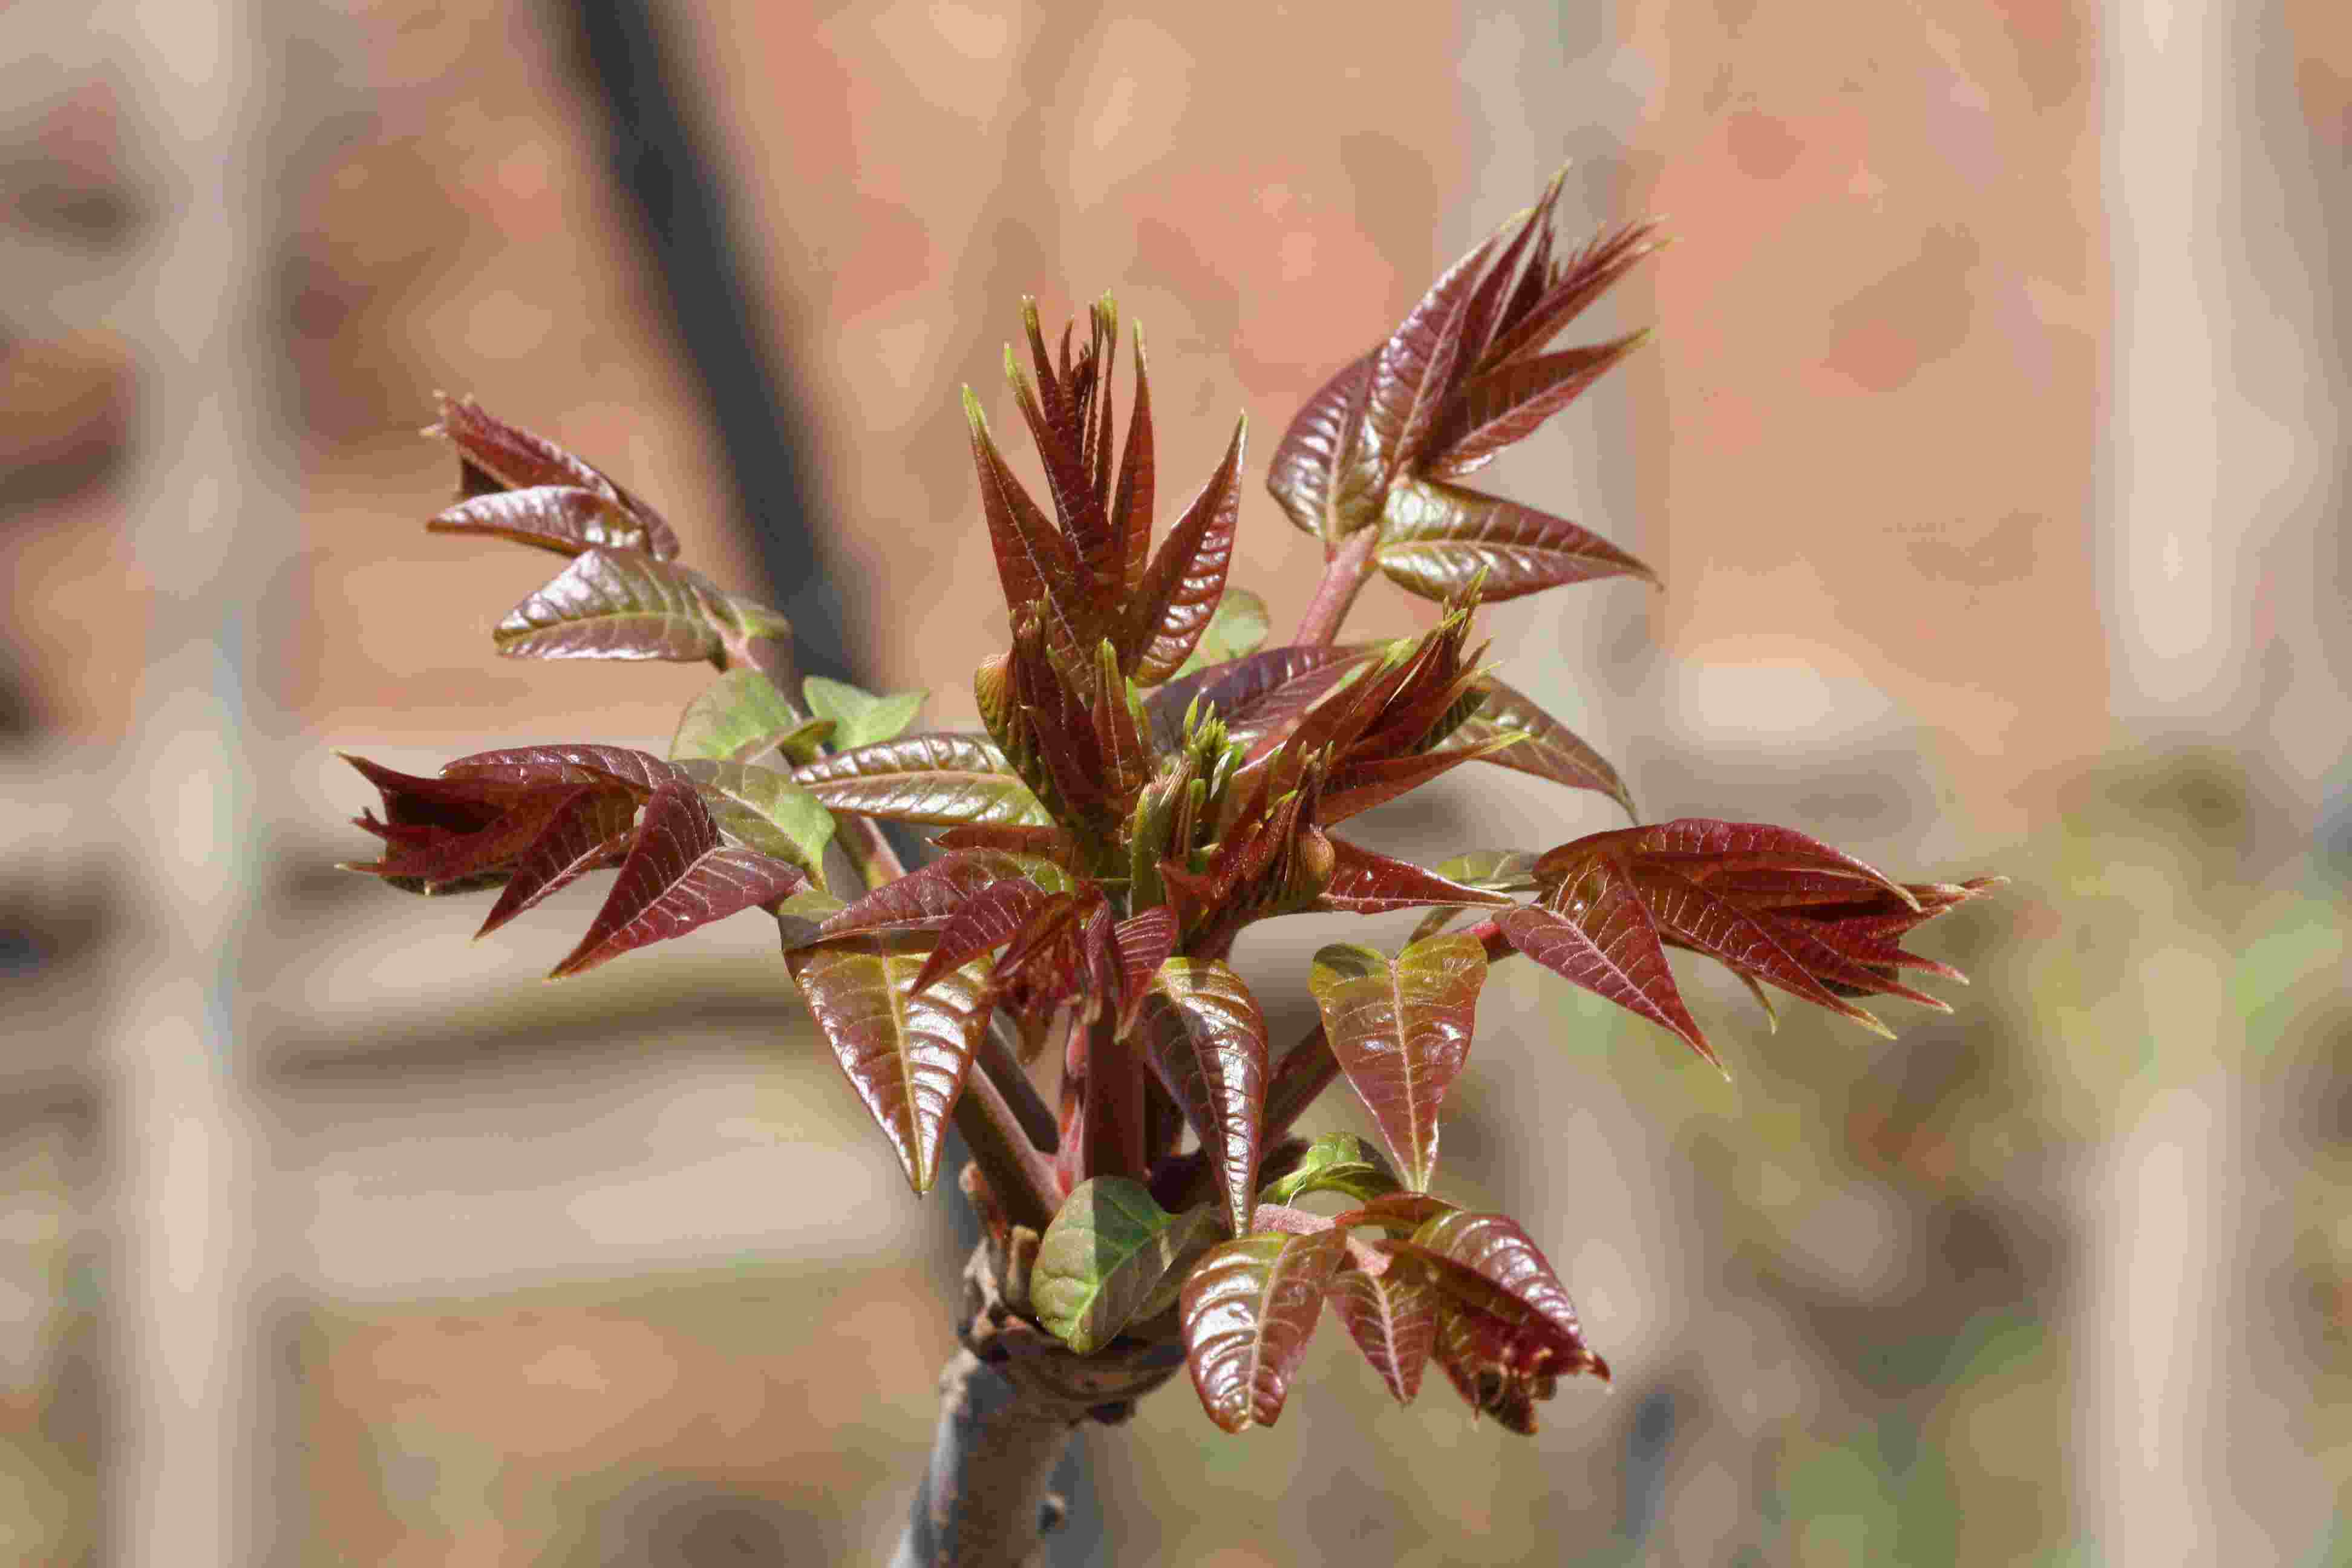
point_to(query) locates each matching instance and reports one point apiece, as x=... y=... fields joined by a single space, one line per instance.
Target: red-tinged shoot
x=1146 y=782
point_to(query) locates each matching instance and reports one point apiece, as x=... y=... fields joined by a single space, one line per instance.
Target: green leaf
x=799 y=917
x=738 y=717
x=1104 y=1256
x=860 y=718
x=619 y=604
x=1336 y=1162
x=763 y=809
x=1495 y=871
x=1234 y=632
x=1402 y=1032
x=941 y=779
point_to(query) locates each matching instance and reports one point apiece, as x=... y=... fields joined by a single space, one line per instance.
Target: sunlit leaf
x=1508 y=404
x=860 y=718
x=1320 y=474
x=1247 y=1312
x=927 y=897
x=1181 y=589
x=1207 y=1041
x=1402 y=1031
x=1335 y=1163
x=1391 y=1316
x=1034 y=563
x=738 y=717
x=1106 y=1253
x=550 y=517
x=906 y=1053
x=765 y=810
x=1506 y=1329
x=1609 y=946
x=589 y=832
x=943 y=779
x=1412 y=370
x=612 y=603
x=1436 y=537
x=1367 y=882
x=495 y=457
x=679 y=876
x=572 y=763
x=1550 y=752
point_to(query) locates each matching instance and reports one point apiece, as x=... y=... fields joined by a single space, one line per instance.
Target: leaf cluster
x=1148 y=780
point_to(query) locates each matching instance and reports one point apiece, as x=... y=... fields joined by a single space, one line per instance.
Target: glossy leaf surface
x=1391 y=1316
x=590 y=832
x=1247 y=1312
x=927 y=897
x=1367 y=882
x=944 y=780
x=679 y=876
x=1436 y=538
x=905 y=1052
x=1316 y=476
x=1610 y=948
x=1106 y=1254
x=761 y=809
x=1401 y=1029
x=495 y=457
x=1549 y=751
x=1181 y=589
x=550 y=517
x=1207 y=1041
x=611 y=604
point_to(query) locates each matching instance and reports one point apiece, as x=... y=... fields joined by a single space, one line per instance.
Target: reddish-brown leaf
x=1131 y=510
x=1142 y=942
x=550 y=517
x=1391 y=1316
x=1187 y=576
x=1606 y=942
x=1034 y=563
x=1549 y=751
x=1247 y=1312
x=985 y=922
x=1507 y=403
x=494 y=455
x=590 y=832
x=1706 y=849
x=1699 y=918
x=1552 y=296
x=926 y=899
x=905 y=1052
x=1401 y=1030
x=577 y=763
x=1206 y=1039
x=679 y=876
x=1411 y=371
x=1486 y=1262
x=1437 y=538
x=1256 y=695
x=1324 y=482
x=1367 y=882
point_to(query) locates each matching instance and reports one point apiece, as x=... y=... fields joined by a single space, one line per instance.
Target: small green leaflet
x=738 y=717
x=1108 y=1255
x=860 y=718
x=1336 y=1162
x=765 y=810
x=1236 y=629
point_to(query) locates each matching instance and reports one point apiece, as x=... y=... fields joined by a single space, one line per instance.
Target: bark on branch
x=1010 y=1401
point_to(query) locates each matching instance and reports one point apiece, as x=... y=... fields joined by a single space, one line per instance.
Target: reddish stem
x=1114 y=1129
x=1345 y=571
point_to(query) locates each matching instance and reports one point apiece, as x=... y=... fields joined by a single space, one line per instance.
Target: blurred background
x=1993 y=449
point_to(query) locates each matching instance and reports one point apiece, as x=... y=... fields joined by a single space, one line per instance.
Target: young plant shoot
x=1146 y=782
